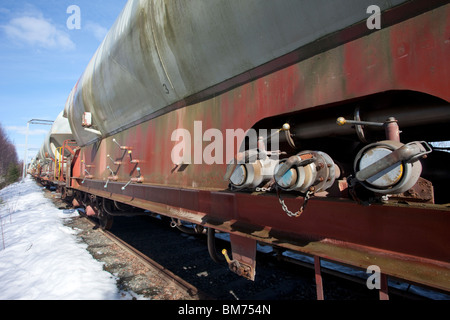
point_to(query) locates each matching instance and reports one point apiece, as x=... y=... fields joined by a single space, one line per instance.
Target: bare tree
x=9 y=165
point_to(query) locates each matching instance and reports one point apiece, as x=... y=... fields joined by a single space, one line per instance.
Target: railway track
x=181 y=284
x=136 y=274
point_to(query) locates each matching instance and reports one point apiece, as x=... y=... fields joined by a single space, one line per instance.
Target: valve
x=225 y=254
x=253 y=167
x=121 y=147
x=88 y=176
x=113 y=161
x=391 y=127
x=131 y=158
x=252 y=175
x=111 y=177
x=308 y=171
x=237 y=267
x=390 y=167
x=138 y=179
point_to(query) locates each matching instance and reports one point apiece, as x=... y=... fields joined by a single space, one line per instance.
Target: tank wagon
x=49 y=165
x=291 y=123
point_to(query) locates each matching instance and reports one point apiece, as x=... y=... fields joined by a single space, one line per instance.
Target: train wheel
x=106 y=221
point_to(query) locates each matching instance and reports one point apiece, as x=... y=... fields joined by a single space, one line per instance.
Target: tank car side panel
x=330 y=77
x=412 y=56
x=159 y=53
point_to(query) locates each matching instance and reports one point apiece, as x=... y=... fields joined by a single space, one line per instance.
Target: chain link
x=302 y=208
x=263 y=189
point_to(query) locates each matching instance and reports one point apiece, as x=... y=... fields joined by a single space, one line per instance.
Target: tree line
x=10 y=167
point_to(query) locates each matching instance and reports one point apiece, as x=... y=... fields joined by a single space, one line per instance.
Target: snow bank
x=40 y=258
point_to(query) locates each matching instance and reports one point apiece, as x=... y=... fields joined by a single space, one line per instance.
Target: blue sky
x=41 y=59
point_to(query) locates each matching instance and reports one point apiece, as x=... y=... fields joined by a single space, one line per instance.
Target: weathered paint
x=405 y=241
x=357 y=69
x=161 y=53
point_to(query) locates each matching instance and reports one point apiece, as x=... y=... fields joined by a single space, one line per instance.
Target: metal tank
x=59 y=132
x=162 y=54
x=43 y=152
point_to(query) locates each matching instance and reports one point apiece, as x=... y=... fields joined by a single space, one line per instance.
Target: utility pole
x=32 y=121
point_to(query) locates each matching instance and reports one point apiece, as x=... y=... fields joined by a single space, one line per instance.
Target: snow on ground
x=40 y=258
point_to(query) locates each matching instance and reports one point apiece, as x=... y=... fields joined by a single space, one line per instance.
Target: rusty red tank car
x=310 y=126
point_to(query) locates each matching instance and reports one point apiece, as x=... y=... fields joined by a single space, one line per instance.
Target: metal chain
x=263 y=189
x=302 y=208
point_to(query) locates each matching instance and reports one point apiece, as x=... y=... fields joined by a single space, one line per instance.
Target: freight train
x=298 y=124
